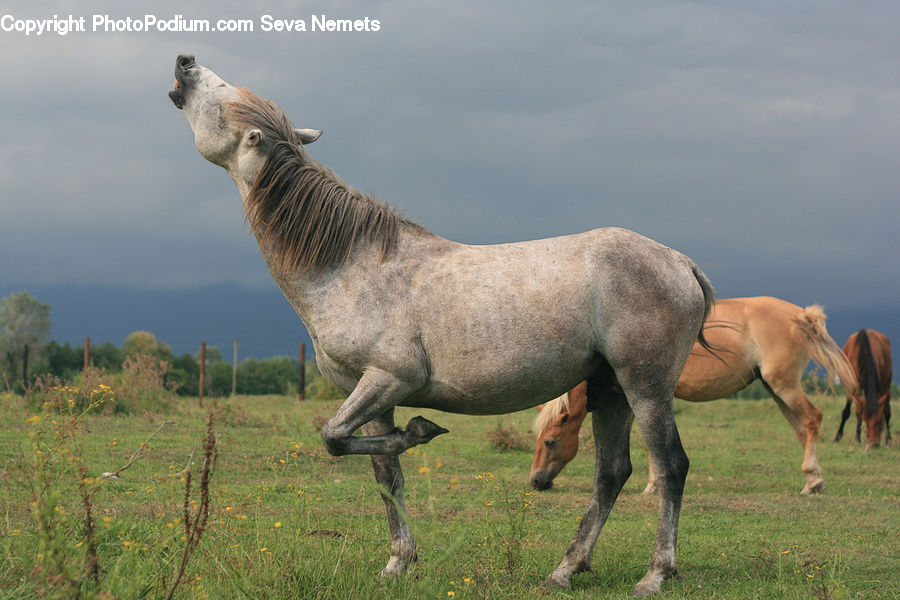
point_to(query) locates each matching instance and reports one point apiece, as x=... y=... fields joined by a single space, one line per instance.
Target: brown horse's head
x=557 y=428
x=874 y=427
x=869 y=352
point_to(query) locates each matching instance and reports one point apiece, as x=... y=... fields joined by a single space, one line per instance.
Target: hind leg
x=652 y=486
x=805 y=418
x=670 y=466
x=612 y=429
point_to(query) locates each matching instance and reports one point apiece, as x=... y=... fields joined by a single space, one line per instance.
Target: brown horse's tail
x=709 y=296
x=868 y=371
x=823 y=350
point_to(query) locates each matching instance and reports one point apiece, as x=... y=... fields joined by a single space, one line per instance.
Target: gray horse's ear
x=308 y=136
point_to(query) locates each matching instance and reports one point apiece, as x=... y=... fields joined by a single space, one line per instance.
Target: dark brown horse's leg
x=389 y=476
x=612 y=429
x=859 y=420
x=844 y=416
x=887 y=419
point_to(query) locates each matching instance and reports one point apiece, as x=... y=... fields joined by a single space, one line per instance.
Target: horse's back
x=749 y=335
x=536 y=317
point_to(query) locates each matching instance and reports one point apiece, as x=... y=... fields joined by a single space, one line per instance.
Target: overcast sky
x=760 y=138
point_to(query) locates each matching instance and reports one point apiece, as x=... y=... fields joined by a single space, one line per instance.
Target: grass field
x=289 y=521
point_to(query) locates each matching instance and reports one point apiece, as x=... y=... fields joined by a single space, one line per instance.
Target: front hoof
x=421 y=431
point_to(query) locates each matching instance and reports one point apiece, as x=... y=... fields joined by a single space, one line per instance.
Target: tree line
x=25 y=325
x=276 y=375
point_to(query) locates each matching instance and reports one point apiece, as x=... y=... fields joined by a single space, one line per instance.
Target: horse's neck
x=314 y=293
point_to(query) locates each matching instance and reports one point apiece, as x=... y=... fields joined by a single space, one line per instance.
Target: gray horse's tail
x=709 y=296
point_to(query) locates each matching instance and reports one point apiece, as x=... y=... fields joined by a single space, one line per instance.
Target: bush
x=506 y=438
x=142 y=385
x=271 y=376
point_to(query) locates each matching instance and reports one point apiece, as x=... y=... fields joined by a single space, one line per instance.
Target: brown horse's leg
x=805 y=418
x=612 y=429
x=652 y=486
x=389 y=476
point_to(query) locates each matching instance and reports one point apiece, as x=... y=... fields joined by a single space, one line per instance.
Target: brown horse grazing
x=869 y=352
x=755 y=338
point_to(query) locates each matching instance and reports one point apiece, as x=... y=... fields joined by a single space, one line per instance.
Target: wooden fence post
x=202 y=370
x=302 y=383
x=234 y=370
x=87 y=352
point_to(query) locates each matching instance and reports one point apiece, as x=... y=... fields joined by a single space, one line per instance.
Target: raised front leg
x=389 y=476
x=612 y=428
x=376 y=393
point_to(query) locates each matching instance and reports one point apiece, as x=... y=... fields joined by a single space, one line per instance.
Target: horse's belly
x=499 y=386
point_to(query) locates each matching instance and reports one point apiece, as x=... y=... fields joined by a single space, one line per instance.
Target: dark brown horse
x=869 y=353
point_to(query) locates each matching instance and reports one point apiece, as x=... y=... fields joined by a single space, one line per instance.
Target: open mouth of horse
x=184 y=65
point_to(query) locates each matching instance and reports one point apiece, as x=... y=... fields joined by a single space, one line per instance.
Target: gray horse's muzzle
x=183 y=74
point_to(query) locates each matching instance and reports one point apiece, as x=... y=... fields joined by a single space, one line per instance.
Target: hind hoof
x=816 y=488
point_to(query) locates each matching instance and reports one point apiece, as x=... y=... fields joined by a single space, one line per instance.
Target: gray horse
x=402 y=317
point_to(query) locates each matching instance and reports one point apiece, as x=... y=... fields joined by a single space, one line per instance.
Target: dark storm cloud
x=760 y=139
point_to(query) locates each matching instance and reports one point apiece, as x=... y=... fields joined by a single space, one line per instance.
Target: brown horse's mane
x=549 y=412
x=308 y=215
x=868 y=371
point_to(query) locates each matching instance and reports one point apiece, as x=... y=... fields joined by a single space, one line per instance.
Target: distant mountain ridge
x=262 y=319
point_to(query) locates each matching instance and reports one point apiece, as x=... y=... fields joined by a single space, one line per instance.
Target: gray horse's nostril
x=185 y=60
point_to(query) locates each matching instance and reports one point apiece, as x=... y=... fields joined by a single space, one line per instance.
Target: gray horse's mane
x=310 y=217
x=549 y=412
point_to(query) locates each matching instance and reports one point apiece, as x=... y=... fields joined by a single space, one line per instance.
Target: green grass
x=289 y=521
